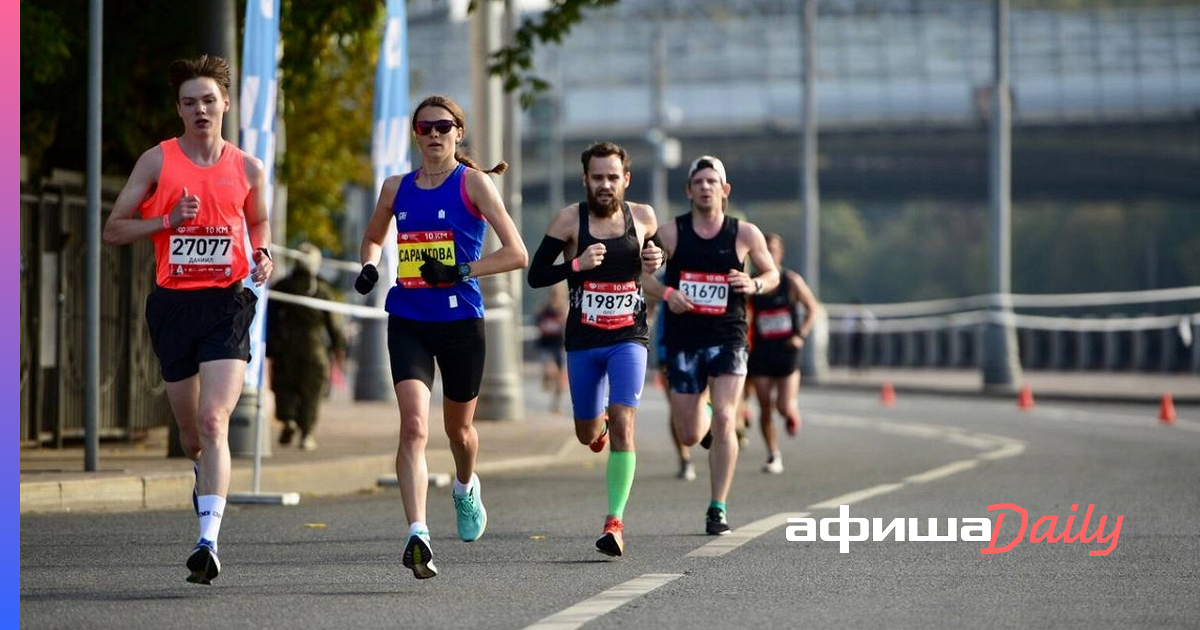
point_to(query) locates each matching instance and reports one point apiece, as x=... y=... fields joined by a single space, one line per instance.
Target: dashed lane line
x=742 y=535
x=604 y=603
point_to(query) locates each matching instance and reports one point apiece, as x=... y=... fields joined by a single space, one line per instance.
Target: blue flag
x=259 y=87
x=390 y=135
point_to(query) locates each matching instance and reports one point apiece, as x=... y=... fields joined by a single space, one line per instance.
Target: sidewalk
x=357 y=442
x=1122 y=387
x=356 y=449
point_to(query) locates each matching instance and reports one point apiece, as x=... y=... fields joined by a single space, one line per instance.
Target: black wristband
x=266 y=252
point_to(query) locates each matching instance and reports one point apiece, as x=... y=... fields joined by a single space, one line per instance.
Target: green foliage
x=327 y=74
x=514 y=63
x=921 y=250
x=136 y=96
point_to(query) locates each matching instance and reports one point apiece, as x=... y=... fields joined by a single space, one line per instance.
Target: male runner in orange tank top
x=197 y=197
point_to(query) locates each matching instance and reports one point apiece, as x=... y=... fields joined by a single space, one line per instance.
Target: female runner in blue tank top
x=435 y=309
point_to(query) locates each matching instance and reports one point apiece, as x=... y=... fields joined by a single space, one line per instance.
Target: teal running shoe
x=472 y=517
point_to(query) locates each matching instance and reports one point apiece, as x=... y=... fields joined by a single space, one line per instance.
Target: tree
x=514 y=63
x=326 y=104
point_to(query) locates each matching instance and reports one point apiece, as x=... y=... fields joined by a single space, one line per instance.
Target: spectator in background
x=859 y=325
x=551 y=321
x=303 y=343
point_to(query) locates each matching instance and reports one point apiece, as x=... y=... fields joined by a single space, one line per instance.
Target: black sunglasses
x=423 y=127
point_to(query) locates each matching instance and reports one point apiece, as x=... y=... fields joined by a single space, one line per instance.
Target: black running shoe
x=203 y=563
x=715 y=523
x=419 y=557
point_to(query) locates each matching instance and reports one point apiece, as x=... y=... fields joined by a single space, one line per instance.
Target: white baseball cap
x=707 y=161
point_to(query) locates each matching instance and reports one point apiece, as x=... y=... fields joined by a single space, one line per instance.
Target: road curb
x=1151 y=398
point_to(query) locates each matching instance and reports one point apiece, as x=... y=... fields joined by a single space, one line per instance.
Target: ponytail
x=463 y=158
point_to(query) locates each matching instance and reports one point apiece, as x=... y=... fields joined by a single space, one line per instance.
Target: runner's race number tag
x=774 y=323
x=199 y=251
x=609 y=305
x=709 y=292
x=411 y=248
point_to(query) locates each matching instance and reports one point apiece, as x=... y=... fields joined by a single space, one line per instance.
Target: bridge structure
x=1106 y=108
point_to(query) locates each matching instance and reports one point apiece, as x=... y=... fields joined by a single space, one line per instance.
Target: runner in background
x=705 y=327
x=777 y=336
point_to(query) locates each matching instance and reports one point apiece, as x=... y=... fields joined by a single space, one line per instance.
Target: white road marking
x=1012 y=450
x=942 y=471
x=996 y=447
x=742 y=535
x=605 y=602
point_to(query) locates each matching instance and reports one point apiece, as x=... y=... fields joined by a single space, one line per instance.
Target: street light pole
x=1001 y=363
x=500 y=393
x=659 y=196
x=814 y=362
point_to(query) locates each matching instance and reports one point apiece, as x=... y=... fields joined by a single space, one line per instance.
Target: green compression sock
x=621 y=465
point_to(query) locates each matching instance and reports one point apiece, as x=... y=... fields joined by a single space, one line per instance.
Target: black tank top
x=607 y=305
x=699 y=268
x=775 y=318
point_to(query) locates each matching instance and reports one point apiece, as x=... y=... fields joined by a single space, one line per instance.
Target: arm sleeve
x=542 y=270
x=656 y=239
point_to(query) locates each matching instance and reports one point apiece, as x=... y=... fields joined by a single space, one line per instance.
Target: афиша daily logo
x=1044 y=530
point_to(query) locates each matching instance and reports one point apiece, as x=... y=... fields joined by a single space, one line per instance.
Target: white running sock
x=212 y=506
x=417 y=527
x=463 y=488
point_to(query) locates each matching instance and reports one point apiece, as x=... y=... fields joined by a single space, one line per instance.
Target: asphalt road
x=335 y=563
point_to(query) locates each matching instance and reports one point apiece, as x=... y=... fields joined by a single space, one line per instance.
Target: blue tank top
x=443 y=223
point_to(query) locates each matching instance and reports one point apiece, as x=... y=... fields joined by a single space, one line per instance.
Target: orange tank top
x=209 y=251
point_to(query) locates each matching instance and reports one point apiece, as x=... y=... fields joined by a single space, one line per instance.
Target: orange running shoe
x=599 y=443
x=612 y=543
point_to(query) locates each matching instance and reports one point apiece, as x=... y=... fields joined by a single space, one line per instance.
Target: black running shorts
x=773 y=362
x=457 y=346
x=191 y=327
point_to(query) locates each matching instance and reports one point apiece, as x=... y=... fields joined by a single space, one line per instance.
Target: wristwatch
x=464 y=270
x=758 y=286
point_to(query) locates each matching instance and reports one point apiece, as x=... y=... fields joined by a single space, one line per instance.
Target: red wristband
x=167 y=221
x=667 y=294
x=575 y=265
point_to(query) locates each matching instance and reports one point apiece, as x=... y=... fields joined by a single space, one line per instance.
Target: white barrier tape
x=1106 y=299
x=1101 y=325
x=970 y=319
x=1062 y=300
x=341 y=265
x=362 y=312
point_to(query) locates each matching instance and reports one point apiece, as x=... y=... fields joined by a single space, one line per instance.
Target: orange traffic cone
x=1166 y=409
x=887 y=395
x=1025 y=398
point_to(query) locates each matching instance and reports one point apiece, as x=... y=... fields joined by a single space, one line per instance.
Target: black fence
x=54 y=325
